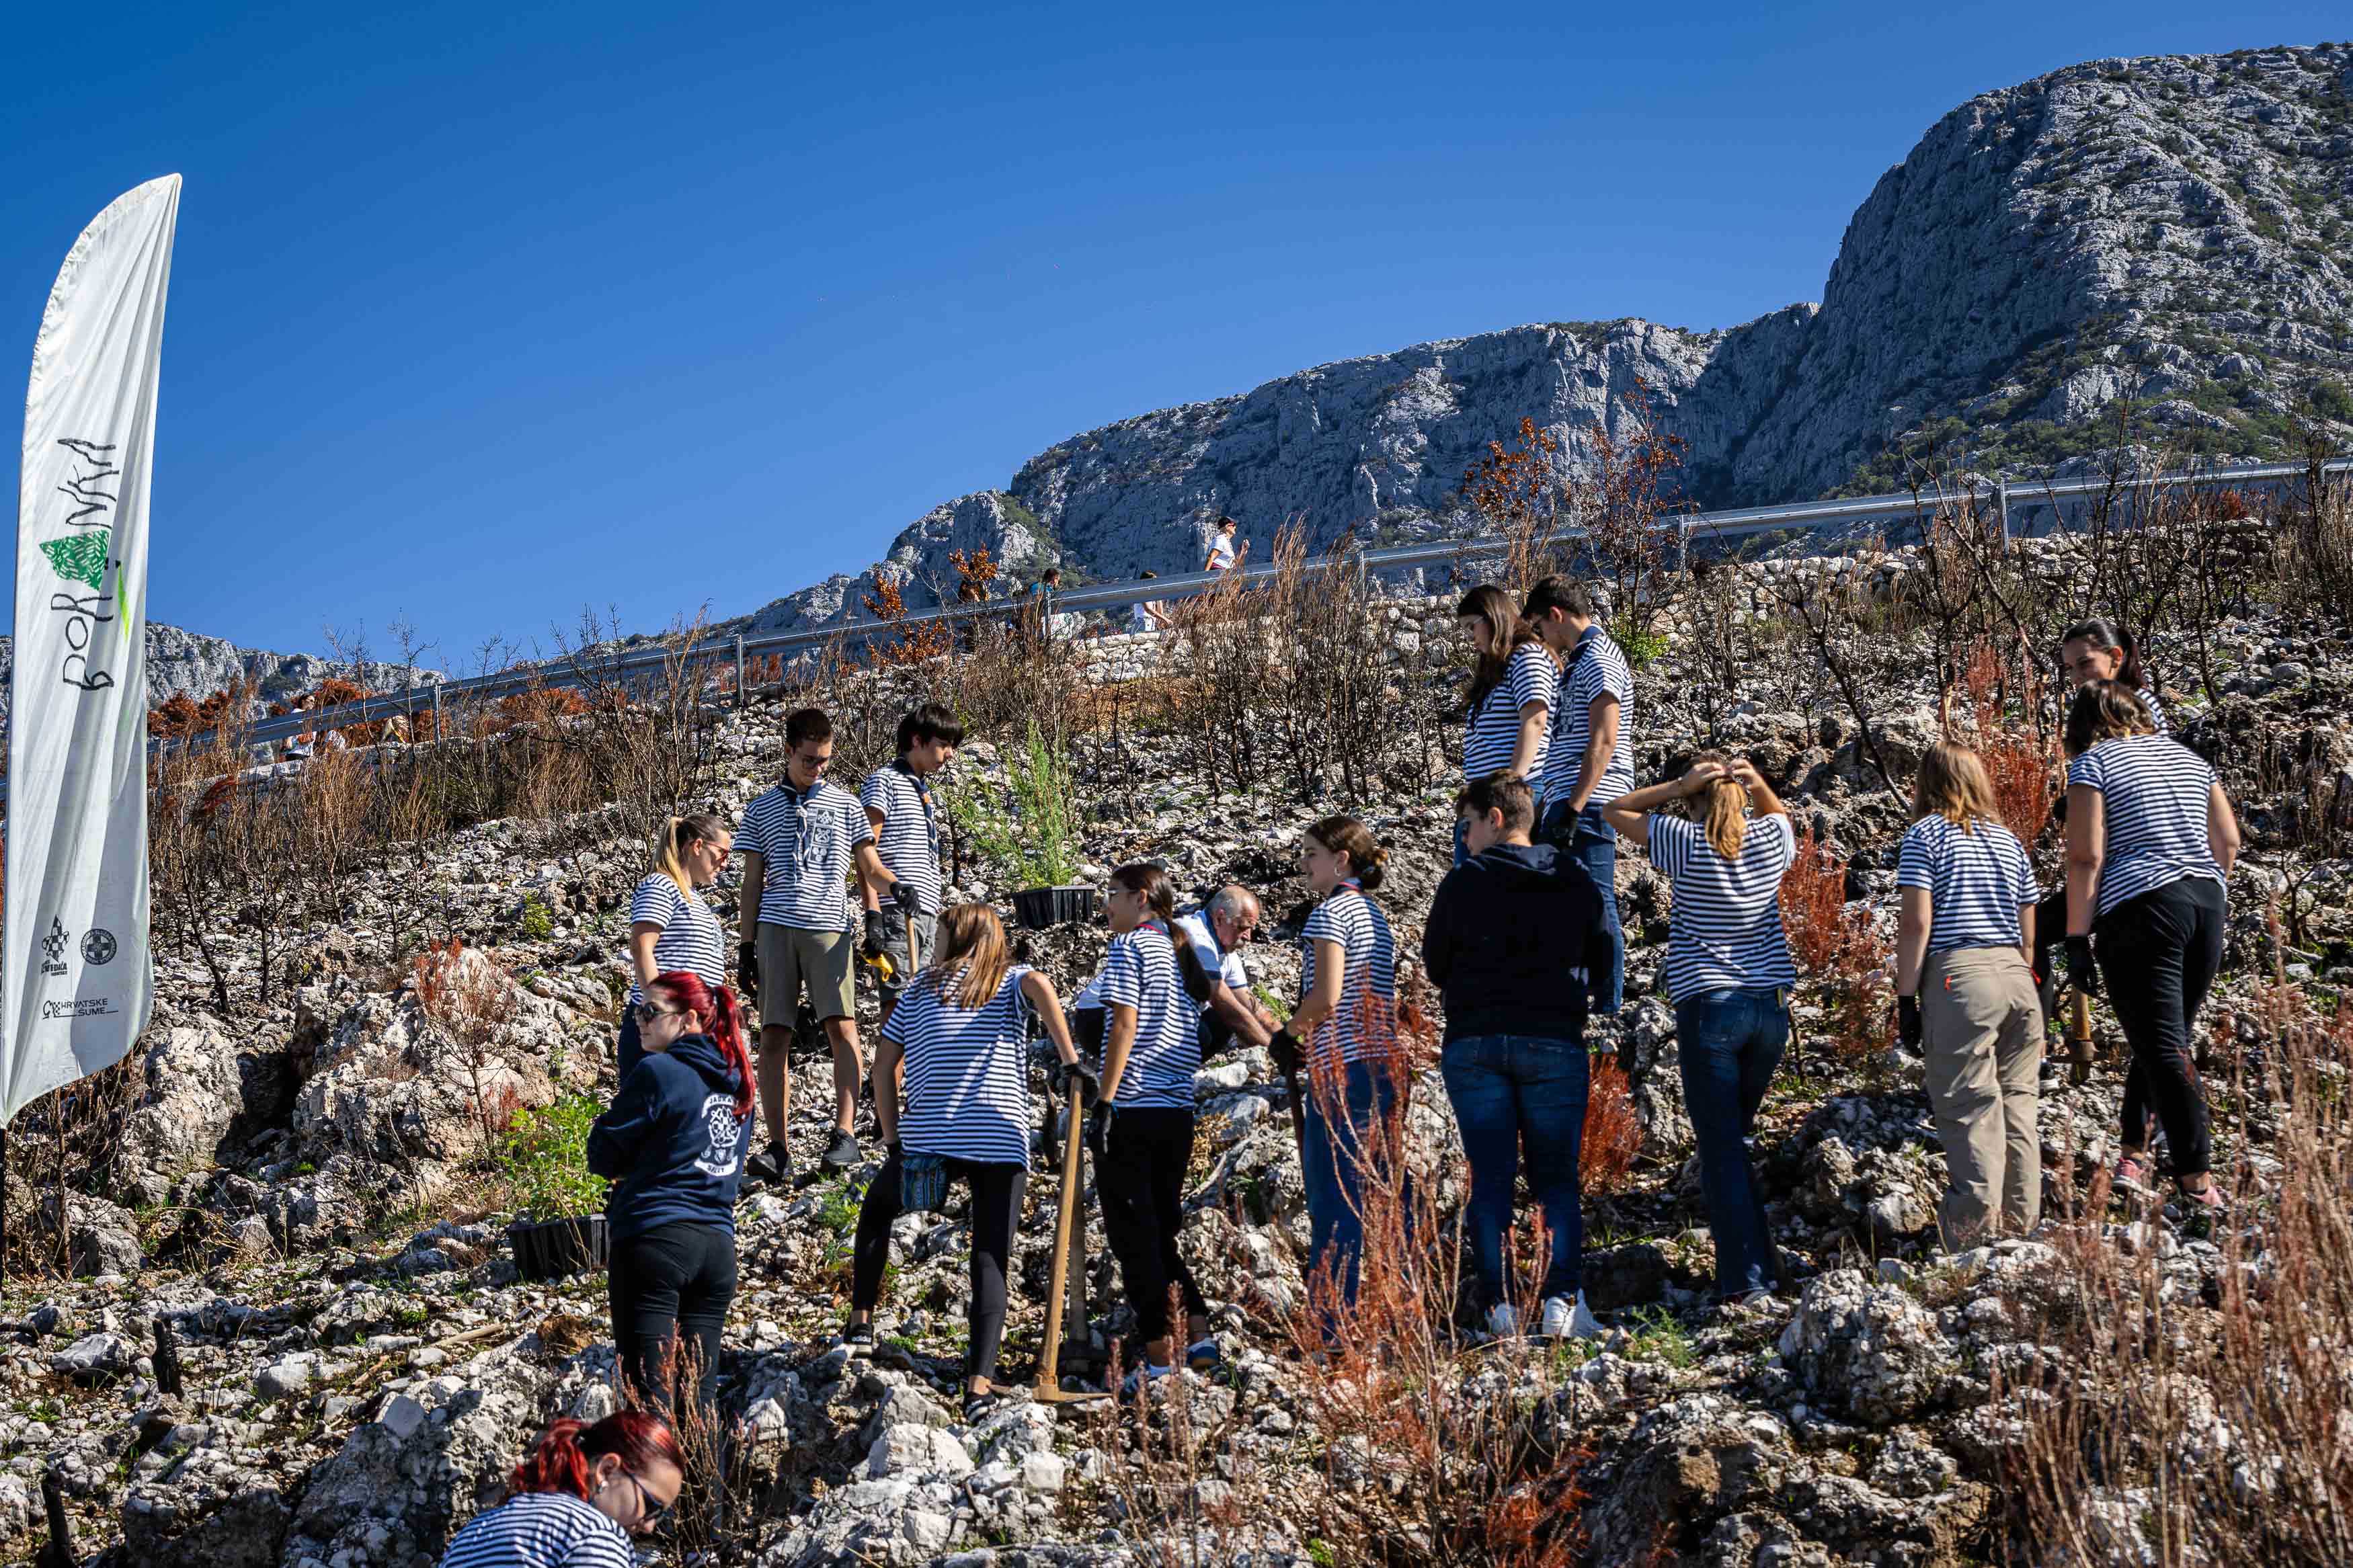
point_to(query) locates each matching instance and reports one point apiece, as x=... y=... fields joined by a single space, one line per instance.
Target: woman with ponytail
x=673 y=1146
x=2096 y=650
x=1729 y=974
x=1508 y=717
x=670 y=927
x=577 y=1498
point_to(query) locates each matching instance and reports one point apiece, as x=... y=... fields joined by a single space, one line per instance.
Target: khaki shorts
x=792 y=959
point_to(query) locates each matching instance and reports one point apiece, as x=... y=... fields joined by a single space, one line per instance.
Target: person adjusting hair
x=670 y=925
x=1590 y=755
x=898 y=808
x=802 y=842
x=2151 y=839
x=1513 y=932
x=1729 y=974
x=962 y=1028
x=1965 y=995
x=1514 y=685
x=672 y=1145
x=1210 y=941
x=1142 y=1125
x=578 y=1497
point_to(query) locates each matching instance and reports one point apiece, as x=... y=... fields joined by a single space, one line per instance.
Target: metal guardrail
x=2004 y=495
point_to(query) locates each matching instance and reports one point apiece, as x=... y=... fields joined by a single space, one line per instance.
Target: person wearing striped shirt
x=1142 y=1125
x=1590 y=758
x=670 y=927
x=802 y=842
x=577 y=1498
x=1729 y=974
x=2151 y=839
x=1513 y=685
x=1345 y=1029
x=961 y=1031
x=899 y=807
x=2089 y=650
x=1965 y=995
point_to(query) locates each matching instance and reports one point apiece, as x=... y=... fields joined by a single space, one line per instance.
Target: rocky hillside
x=2167 y=233
x=189 y=664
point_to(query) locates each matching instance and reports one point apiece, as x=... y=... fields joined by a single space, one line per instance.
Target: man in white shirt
x=1216 y=934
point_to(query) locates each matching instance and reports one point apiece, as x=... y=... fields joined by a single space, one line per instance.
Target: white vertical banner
x=80 y=978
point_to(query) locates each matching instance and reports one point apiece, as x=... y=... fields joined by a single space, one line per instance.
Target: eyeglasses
x=651 y=1510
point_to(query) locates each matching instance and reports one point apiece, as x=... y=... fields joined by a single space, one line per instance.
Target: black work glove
x=1289 y=1056
x=2082 y=972
x=1907 y=1020
x=877 y=939
x=1099 y=1124
x=747 y=971
x=1079 y=1073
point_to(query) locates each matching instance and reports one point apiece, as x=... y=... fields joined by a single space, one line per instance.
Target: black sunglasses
x=651 y=1510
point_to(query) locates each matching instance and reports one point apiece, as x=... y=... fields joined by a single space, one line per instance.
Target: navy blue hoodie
x=671 y=1142
x=1512 y=937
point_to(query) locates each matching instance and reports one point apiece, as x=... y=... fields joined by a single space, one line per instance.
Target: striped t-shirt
x=1595 y=668
x=1977 y=882
x=805 y=842
x=1141 y=973
x=909 y=843
x=1364 y=1028
x=968 y=1069
x=541 y=1530
x=691 y=935
x=1725 y=930
x=2153 y=793
x=1529 y=676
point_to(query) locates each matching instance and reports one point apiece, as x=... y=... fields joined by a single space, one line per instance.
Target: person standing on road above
x=1513 y=689
x=670 y=927
x=1728 y=974
x=1965 y=994
x=1591 y=759
x=802 y=840
x=898 y=801
x=1216 y=934
x=963 y=1028
x=2151 y=839
x=1511 y=931
x=1142 y=1125
x=1224 y=553
x=577 y=1498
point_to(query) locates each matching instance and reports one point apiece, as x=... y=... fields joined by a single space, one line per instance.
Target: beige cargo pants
x=1981 y=1024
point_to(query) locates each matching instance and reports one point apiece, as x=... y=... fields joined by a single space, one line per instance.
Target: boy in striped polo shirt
x=802 y=842
x=1590 y=758
x=899 y=807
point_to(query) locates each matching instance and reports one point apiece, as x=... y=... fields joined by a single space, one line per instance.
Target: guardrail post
x=741 y=698
x=437 y=712
x=2001 y=509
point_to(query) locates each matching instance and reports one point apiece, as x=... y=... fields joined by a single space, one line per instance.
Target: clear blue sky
x=481 y=314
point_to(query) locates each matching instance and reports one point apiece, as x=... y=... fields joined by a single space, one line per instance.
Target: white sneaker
x=1504 y=1320
x=1569 y=1318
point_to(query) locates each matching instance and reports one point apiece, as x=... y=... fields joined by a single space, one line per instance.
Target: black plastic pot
x=1037 y=909
x=558 y=1248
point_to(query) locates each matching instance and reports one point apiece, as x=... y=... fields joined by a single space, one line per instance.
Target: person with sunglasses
x=578 y=1497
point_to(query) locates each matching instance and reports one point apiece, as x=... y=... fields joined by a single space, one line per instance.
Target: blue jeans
x=1332 y=1166
x=1729 y=1043
x=1589 y=838
x=1510 y=1090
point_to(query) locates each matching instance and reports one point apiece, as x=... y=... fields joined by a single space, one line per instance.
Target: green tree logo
x=81 y=558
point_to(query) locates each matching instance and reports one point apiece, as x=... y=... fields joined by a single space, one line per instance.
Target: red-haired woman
x=577 y=1498
x=673 y=1146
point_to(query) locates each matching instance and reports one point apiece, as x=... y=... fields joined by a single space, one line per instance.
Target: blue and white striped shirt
x=1597 y=667
x=2153 y=793
x=541 y=1530
x=909 y=843
x=1364 y=1028
x=1977 y=882
x=1493 y=732
x=1141 y=973
x=968 y=1069
x=805 y=842
x=1725 y=932
x=691 y=935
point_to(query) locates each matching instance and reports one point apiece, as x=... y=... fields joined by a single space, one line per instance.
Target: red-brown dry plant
x=905 y=645
x=2022 y=767
x=1613 y=1133
x=1518 y=489
x=1621 y=499
x=1836 y=947
x=540 y=705
x=974 y=571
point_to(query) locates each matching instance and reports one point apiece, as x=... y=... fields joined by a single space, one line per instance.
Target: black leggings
x=996 y=1210
x=1140 y=1179
x=2158 y=955
x=671 y=1285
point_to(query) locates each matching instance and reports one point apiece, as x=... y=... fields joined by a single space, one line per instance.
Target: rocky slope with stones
x=300 y=1194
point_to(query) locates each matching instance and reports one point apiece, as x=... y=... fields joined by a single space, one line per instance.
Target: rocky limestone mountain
x=2162 y=234
x=190 y=663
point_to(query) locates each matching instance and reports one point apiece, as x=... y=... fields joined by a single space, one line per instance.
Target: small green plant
x=1030 y=822
x=1274 y=1004
x=1642 y=645
x=545 y=1158
x=537 y=922
x=1659 y=1337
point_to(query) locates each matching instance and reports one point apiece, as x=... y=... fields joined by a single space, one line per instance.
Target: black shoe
x=842 y=1154
x=768 y=1168
x=859 y=1340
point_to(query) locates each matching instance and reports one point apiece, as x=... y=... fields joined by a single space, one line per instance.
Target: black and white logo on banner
x=98 y=947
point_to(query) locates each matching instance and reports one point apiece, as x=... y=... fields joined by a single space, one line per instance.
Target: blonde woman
x=1729 y=974
x=1965 y=992
x=670 y=928
x=1513 y=685
x=963 y=1030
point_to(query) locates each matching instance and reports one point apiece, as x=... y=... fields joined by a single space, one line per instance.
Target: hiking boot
x=771 y=1167
x=1569 y=1318
x=841 y=1154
